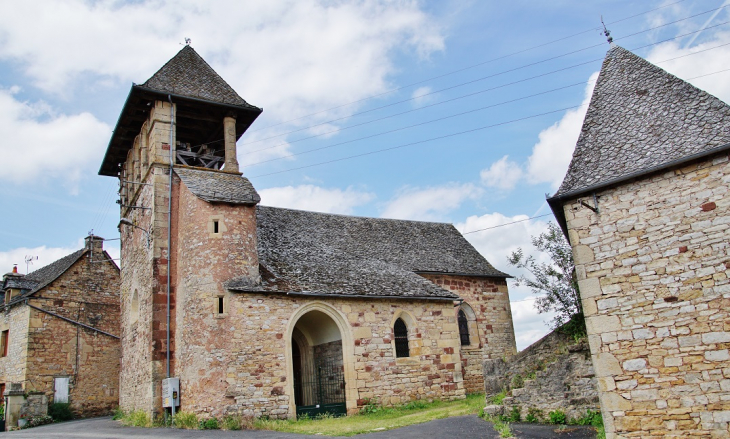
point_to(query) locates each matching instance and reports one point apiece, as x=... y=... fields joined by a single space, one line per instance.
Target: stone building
x=60 y=329
x=646 y=207
x=275 y=311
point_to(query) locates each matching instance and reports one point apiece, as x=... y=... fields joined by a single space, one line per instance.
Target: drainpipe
x=169 y=232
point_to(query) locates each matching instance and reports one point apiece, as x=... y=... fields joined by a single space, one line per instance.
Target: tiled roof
x=45 y=275
x=187 y=74
x=310 y=252
x=215 y=186
x=642 y=118
x=19 y=282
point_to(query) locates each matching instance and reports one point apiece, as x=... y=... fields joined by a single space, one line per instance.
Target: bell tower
x=185 y=119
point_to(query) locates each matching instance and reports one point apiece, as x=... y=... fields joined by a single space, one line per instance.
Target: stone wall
x=554 y=373
x=653 y=273
x=491 y=331
x=144 y=268
x=13 y=366
x=88 y=292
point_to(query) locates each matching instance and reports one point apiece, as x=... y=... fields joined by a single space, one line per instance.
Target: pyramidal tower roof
x=187 y=74
x=641 y=119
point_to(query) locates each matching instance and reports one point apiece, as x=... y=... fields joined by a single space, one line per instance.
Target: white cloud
x=698 y=65
x=295 y=56
x=38 y=143
x=319 y=199
x=46 y=255
x=551 y=155
x=429 y=204
x=503 y=174
x=496 y=244
x=422 y=96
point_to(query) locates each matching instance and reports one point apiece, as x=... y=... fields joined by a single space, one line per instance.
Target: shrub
x=60 y=411
x=416 y=405
x=138 y=418
x=557 y=417
x=35 y=421
x=498 y=398
x=118 y=414
x=185 y=420
x=231 y=423
x=209 y=424
x=533 y=415
x=590 y=418
x=512 y=416
x=371 y=406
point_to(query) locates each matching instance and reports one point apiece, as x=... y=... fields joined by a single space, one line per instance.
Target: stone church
x=265 y=311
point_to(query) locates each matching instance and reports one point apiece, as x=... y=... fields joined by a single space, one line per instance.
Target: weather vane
x=606 y=32
x=188 y=41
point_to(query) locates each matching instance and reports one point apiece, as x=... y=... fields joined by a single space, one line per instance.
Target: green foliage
x=35 y=421
x=186 y=420
x=512 y=416
x=118 y=414
x=371 y=407
x=231 y=423
x=557 y=417
x=60 y=411
x=590 y=418
x=575 y=327
x=498 y=398
x=209 y=424
x=554 y=282
x=503 y=429
x=517 y=382
x=138 y=418
x=534 y=415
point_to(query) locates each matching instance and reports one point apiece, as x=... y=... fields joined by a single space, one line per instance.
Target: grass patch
x=137 y=418
x=498 y=398
x=377 y=418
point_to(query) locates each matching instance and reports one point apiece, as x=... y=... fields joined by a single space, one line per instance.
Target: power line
x=446 y=117
x=506 y=224
x=446 y=136
x=465 y=68
x=466 y=83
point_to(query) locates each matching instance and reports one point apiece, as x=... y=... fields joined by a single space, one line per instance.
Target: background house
x=646 y=207
x=272 y=311
x=60 y=329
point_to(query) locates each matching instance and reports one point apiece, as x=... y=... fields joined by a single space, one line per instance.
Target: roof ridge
x=359 y=216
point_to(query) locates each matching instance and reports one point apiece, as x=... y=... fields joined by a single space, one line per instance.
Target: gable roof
x=187 y=74
x=338 y=255
x=641 y=119
x=215 y=186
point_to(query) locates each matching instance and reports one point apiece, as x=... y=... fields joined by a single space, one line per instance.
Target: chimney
x=15 y=269
x=94 y=243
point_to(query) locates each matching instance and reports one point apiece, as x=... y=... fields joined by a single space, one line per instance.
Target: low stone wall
x=554 y=373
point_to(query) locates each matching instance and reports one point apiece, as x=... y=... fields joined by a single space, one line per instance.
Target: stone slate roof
x=215 y=186
x=45 y=275
x=642 y=118
x=187 y=74
x=19 y=282
x=317 y=253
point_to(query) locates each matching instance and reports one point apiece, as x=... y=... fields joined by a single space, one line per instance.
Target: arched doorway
x=318 y=366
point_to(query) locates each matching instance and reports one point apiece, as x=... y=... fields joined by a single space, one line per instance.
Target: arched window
x=463 y=328
x=400 y=332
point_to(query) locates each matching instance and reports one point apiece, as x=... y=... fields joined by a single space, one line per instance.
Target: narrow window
x=220 y=305
x=4 y=341
x=215 y=226
x=463 y=328
x=401 y=339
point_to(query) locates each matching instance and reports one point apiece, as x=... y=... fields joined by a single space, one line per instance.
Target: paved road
x=462 y=427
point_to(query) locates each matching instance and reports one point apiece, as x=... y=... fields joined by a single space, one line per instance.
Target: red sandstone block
x=683 y=249
x=708 y=206
x=448 y=350
x=450 y=365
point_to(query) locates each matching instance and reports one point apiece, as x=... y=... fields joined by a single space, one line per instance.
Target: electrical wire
x=507 y=224
x=474 y=80
x=465 y=68
x=453 y=134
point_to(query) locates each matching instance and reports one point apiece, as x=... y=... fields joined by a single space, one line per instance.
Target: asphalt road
x=462 y=427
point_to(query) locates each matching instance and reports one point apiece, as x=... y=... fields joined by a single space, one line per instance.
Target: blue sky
x=338 y=81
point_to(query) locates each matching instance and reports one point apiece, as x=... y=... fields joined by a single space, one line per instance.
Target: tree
x=554 y=283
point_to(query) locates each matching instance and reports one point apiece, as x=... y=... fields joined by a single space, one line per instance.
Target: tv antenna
x=29 y=261
x=606 y=32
